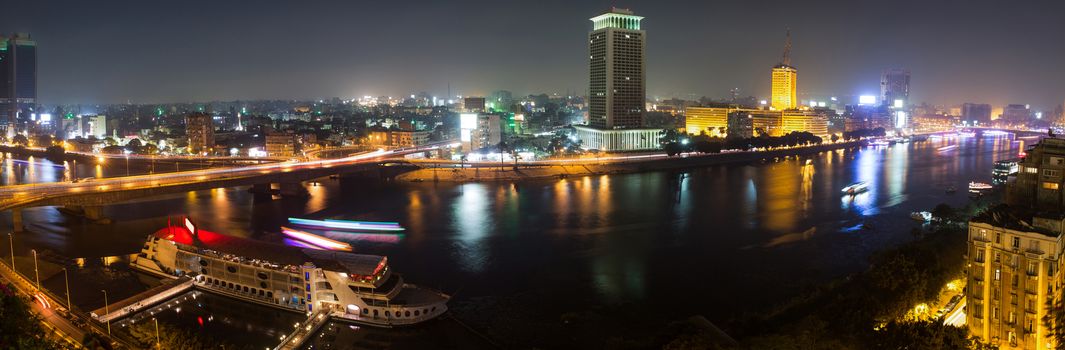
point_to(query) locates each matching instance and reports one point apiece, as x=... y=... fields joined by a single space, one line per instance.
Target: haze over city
x=119 y=51
x=532 y=175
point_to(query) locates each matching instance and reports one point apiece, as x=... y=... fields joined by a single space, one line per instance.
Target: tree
x=1054 y=321
x=20 y=328
x=944 y=212
x=55 y=153
x=44 y=140
x=835 y=138
x=20 y=140
x=113 y=149
x=110 y=141
x=922 y=335
x=150 y=148
x=134 y=146
x=672 y=148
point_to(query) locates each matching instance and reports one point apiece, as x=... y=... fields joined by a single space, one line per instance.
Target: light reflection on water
x=660 y=242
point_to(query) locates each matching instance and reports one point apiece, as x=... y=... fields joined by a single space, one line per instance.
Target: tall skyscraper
x=199 y=128
x=18 y=80
x=616 y=89
x=895 y=85
x=976 y=113
x=784 y=81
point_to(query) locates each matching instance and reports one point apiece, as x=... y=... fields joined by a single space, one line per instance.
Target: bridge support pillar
x=16 y=219
x=94 y=213
x=260 y=188
x=293 y=189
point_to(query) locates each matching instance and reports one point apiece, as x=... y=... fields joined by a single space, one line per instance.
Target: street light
x=66 y=281
x=36 y=274
x=107 y=312
x=127 y=165
x=11 y=244
x=157 y=343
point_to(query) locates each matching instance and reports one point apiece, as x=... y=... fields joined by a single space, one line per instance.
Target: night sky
x=172 y=51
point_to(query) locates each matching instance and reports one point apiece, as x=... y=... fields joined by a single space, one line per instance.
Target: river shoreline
x=484 y=172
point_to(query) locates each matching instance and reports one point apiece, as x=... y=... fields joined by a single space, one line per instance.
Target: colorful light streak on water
x=348 y=225
x=316 y=240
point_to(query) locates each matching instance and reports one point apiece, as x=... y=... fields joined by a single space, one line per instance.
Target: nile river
x=716 y=241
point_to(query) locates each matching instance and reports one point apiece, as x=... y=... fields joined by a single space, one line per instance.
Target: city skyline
x=232 y=52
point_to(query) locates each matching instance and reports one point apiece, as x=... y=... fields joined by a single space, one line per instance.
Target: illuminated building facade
x=280 y=144
x=933 y=122
x=199 y=128
x=976 y=113
x=895 y=86
x=785 y=80
x=477 y=131
x=616 y=76
x=710 y=120
x=784 y=87
x=753 y=122
x=809 y=121
x=18 y=80
x=619 y=140
x=1014 y=257
x=1016 y=113
x=473 y=104
x=740 y=124
x=616 y=89
x=1013 y=271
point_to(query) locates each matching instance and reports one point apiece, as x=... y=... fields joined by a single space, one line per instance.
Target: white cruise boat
x=356 y=287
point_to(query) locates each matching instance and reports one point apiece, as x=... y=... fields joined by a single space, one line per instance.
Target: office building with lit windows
x=1014 y=255
x=784 y=87
x=895 y=86
x=18 y=80
x=199 y=128
x=718 y=121
x=616 y=89
x=1014 y=263
x=813 y=122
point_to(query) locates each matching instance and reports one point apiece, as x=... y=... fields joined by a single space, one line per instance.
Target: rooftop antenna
x=787 y=49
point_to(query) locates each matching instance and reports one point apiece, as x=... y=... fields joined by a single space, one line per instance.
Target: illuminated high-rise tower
x=784 y=81
x=616 y=89
x=18 y=80
x=895 y=86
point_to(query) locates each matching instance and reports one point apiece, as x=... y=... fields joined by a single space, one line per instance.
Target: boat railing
x=245 y=261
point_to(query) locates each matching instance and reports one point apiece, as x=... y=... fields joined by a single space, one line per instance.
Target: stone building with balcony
x=1014 y=255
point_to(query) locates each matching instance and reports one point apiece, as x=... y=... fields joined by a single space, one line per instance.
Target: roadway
x=17 y=196
x=45 y=307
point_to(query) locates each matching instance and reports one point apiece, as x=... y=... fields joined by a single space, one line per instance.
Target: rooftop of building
x=355 y=264
x=1017 y=218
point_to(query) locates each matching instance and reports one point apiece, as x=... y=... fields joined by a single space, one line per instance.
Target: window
x=998 y=239
x=1051 y=172
x=980 y=255
x=1050 y=185
x=1033 y=245
x=1031 y=170
x=994 y=313
x=1033 y=268
x=1016 y=242
x=998 y=274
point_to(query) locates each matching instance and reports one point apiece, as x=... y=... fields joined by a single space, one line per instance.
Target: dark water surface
x=716 y=241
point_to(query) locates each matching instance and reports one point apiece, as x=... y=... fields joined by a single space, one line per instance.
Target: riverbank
x=484 y=172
